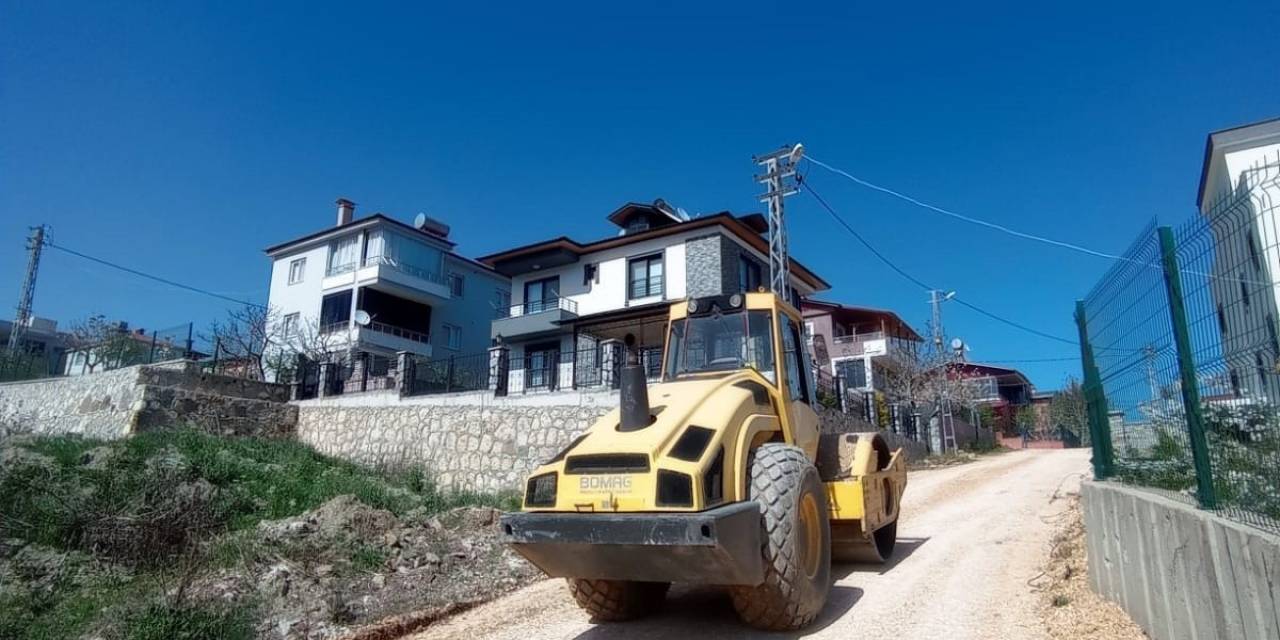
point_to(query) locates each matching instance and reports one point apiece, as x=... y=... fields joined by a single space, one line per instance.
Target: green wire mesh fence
x=1182 y=356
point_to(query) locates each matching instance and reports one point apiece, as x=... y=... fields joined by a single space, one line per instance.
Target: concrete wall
x=114 y=404
x=1178 y=571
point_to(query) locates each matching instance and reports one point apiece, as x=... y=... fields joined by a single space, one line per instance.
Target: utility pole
x=946 y=422
x=35 y=245
x=936 y=298
x=779 y=168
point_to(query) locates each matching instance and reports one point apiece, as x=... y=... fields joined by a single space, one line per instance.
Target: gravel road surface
x=970 y=538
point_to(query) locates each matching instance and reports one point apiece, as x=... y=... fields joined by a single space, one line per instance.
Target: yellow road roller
x=719 y=474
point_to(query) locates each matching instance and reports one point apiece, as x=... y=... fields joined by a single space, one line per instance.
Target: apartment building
x=573 y=303
x=378 y=286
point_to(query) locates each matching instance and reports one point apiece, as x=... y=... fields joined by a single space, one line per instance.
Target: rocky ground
x=346 y=567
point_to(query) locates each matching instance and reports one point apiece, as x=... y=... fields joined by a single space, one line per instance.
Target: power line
x=961 y=216
x=808 y=187
x=1019 y=234
x=149 y=276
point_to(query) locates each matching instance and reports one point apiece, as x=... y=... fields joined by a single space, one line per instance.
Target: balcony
x=537 y=316
x=871 y=343
x=409 y=280
x=337 y=335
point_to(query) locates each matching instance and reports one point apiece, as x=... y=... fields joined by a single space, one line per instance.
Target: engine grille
x=607 y=463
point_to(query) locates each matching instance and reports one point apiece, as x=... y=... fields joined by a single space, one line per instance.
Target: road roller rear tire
x=796 y=542
x=617 y=600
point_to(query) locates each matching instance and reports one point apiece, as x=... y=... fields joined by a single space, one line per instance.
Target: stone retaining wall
x=115 y=404
x=474 y=441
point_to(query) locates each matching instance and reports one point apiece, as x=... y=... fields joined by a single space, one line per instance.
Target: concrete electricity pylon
x=779 y=169
x=35 y=245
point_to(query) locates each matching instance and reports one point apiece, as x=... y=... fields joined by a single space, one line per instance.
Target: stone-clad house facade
x=573 y=303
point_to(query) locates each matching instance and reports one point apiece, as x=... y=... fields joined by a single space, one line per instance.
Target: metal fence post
x=1187 y=367
x=1095 y=403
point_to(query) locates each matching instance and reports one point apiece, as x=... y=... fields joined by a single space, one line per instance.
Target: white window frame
x=289 y=325
x=461 y=288
x=452 y=336
x=297 y=270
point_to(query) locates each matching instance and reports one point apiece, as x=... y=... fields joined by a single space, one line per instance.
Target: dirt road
x=969 y=540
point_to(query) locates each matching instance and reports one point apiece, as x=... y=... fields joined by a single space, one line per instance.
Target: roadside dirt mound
x=1071 y=609
x=345 y=566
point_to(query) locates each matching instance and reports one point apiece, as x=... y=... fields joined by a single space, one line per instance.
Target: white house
x=376 y=285
x=1239 y=197
x=571 y=299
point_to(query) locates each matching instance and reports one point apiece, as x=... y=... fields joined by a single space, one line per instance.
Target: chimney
x=346 y=210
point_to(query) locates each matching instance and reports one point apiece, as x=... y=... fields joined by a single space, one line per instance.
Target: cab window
x=797 y=383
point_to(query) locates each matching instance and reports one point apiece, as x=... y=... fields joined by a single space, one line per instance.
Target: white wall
x=304 y=297
x=474 y=312
x=609 y=292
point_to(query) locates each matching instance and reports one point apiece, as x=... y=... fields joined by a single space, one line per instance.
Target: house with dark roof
x=573 y=303
x=378 y=286
x=858 y=343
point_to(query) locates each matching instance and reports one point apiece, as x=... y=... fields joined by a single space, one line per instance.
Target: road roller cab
x=718 y=474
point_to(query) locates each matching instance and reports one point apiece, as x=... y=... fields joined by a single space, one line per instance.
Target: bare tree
x=267 y=343
x=105 y=343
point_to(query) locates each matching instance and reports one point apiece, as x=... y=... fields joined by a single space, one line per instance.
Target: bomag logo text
x=597 y=484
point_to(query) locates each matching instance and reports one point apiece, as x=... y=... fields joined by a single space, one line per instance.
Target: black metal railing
x=451 y=374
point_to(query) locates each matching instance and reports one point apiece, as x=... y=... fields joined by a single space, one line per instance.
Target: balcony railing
x=413 y=270
x=339 y=269
x=859 y=337
x=646 y=287
x=334 y=327
x=399 y=332
x=538 y=306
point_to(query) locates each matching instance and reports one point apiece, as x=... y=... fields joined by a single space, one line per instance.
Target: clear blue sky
x=183 y=139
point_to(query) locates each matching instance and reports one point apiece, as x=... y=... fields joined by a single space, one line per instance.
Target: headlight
x=735 y=300
x=541 y=491
x=693 y=305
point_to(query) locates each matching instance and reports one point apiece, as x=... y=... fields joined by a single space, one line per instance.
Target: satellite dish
x=363 y=318
x=957 y=344
x=419 y=221
x=682 y=214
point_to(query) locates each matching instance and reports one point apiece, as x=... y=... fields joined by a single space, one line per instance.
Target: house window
x=455 y=284
x=748 y=274
x=645 y=276
x=297 y=269
x=502 y=302
x=289 y=325
x=854 y=373
x=1235 y=383
x=335 y=311
x=1222 y=321
x=541 y=295
x=590 y=274
x=1258 y=363
x=344 y=253
x=453 y=336
x=1253 y=252
x=1244 y=290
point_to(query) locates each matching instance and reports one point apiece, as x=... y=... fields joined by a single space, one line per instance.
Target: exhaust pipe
x=633 y=392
